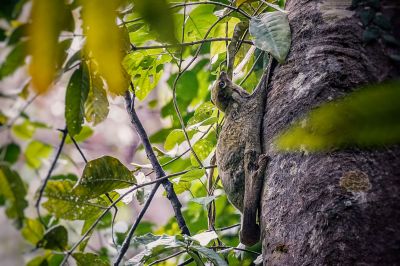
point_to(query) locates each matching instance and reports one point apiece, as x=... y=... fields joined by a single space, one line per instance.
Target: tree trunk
x=338 y=207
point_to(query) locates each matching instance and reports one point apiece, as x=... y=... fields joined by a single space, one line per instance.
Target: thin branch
x=234 y=248
x=53 y=165
x=168 y=257
x=176 y=80
x=183 y=44
x=171 y=195
x=157 y=182
x=226 y=228
x=28 y=103
x=251 y=69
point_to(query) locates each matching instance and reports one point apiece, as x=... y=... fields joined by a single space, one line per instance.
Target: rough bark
x=337 y=207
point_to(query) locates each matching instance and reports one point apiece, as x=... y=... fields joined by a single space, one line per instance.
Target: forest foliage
x=125 y=48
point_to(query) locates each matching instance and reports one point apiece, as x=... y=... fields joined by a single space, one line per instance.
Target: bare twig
x=234 y=248
x=183 y=44
x=168 y=257
x=53 y=165
x=171 y=195
x=251 y=69
x=28 y=103
x=157 y=182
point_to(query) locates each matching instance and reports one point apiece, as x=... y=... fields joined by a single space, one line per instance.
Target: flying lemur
x=241 y=164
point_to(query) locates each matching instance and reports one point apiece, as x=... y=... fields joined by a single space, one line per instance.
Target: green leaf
x=192 y=175
x=24 y=131
x=55 y=238
x=154 y=246
x=96 y=106
x=204 y=201
x=35 y=152
x=14 y=60
x=176 y=137
x=187 y=86
x=17 y=34
x=205 y=237
x=146 y=70
x=13 y=190
x=209 y=254
x=103 y=175
x=86 y=132
x=104 y=223
x=368 y=117
x=75 y=98
x=32 y=231
x=64 y=203
x=198 y=22
x=181 y=187
x=202 y=148
x=158 y=14
x=271 y=33
x=10 y=153
x=89 y=259
x=203 y=115
x=71 y=177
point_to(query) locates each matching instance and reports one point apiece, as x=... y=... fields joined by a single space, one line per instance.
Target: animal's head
x=222 y=91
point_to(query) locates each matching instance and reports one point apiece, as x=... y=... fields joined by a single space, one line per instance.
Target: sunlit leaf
x=32 y=231
x=55 y=238
x=24 y=131
x=205 y=237
x=203 y=115
x=202 y=148
x=192 y=175
x=14 y=60
x=106 y=43
x=35 y=152
x=13 y=190
x=75 y=98
x=175 y=137
x=204 y=201
x=103 y=175
x=221 y=30
x=146 y=70
x=96 y=105
x=47 y=259
x=64 y=203
x=271 y=33
x=43 y=45
x=198 y=22
x=89 y=259
x=366 y=118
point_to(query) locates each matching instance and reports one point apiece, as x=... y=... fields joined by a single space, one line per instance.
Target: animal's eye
x=222 y=84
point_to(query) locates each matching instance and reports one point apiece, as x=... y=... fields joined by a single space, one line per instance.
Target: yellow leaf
x=47 y=21
x=105 y=43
